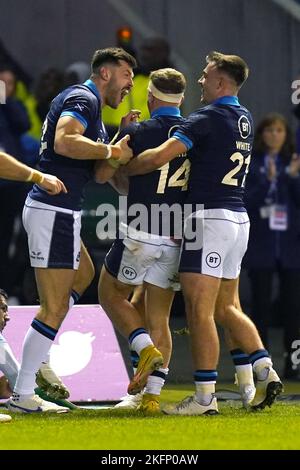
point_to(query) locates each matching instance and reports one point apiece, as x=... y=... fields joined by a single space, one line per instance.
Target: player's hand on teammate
x=125 y=151
x=132 y=116
x=52 y=185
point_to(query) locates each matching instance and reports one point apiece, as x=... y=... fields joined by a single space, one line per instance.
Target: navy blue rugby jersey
x=166 y=185
x=220 y=138
x=82 y=102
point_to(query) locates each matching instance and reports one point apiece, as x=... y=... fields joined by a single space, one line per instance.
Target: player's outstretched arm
x=12 y=169
x=151 y=159
x=70 y=142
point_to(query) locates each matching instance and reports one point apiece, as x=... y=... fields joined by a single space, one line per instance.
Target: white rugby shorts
x=138 y=256
x=215 y=241
x=53 y=235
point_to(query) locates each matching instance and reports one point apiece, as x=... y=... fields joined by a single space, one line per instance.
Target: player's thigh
x=158 y=305
x=86 y=271
x=110 y=289
x=227 y=294
x=200 y=293
x=54 y=288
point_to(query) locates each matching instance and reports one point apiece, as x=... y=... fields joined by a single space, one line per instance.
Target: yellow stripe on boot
x=150 y=404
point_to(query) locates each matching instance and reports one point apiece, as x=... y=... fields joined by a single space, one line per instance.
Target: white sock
x=141 y=342
x=244 y=375
x=204 y=392
x=261 y=367
x=156 y=382
x=35 y=349
x=8 y=363
x=47 y=359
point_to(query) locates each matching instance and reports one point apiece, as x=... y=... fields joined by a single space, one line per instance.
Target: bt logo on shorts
x=213 y=259
x=129 y=272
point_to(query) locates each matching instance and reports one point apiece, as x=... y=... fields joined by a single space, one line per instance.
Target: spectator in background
x=75 y=73
x=153 y=54
x=6 y=58
x=273 y=204
x=14 y=122
x=49 y=84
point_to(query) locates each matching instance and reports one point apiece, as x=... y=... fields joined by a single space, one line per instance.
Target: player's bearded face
x=119 y=86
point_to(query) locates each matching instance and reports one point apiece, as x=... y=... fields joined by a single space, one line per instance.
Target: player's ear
x=150 y=100
x=220 y=82
x=105 y=73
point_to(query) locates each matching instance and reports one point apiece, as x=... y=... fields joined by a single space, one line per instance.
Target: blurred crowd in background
x=272 y=262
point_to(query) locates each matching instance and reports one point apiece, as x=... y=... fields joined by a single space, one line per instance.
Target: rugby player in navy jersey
x=149 y=252
x=73 y=138
x=219 y=139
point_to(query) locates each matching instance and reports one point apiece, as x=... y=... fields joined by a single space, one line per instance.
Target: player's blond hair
x=168 y=80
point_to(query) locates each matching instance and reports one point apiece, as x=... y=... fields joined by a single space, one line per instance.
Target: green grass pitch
x=234 y=428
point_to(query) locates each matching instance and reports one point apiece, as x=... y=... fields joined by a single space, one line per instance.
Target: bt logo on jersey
x=244 y=127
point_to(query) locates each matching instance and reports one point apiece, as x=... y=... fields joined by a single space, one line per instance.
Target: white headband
x=168 y=97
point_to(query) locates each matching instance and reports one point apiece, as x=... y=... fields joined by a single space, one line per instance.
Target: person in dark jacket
x=14 y=122
x=273 y=204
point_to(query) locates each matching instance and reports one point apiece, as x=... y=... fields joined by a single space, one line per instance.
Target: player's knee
x=55 y=311
x=223 y=313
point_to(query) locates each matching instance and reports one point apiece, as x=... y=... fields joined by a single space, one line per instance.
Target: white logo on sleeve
x=73 y=353
x=244 y=126
x=79 y=106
